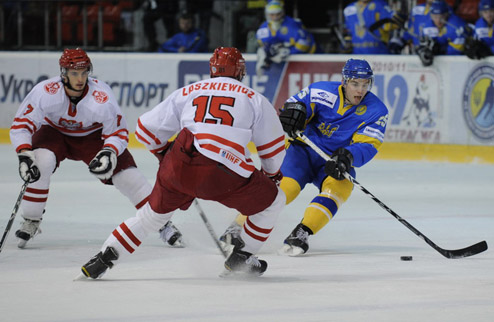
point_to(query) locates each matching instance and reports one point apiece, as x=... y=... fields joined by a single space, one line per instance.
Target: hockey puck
x=406 y=258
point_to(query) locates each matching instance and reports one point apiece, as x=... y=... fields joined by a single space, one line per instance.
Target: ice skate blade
x=80 y=277
x=177 y=244
x=292 y=251
x=22 y=243
x=227 y=274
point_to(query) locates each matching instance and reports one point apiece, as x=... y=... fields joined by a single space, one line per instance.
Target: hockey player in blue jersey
x=444 y=34
x=483 y=43
x=281 y=36
x=347 y=122
x=360 y=16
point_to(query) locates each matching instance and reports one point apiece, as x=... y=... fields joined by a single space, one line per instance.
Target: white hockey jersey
x=48 y=104
x=224 y=115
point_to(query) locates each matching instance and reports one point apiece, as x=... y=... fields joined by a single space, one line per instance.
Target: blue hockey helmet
x=486 y=5
x=439 y=7
x=357 y=68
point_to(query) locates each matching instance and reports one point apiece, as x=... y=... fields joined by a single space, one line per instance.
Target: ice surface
x=352 y=271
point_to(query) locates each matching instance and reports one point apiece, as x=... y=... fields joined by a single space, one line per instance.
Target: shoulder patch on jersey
x=52 y=88
x=372 y=6
x=322 y=97
x=262 y=33
x=284 y=30
x=100 y=97
x=374 y=133
x=350 y=10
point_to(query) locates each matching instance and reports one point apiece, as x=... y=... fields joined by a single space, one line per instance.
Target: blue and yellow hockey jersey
x=331 y=124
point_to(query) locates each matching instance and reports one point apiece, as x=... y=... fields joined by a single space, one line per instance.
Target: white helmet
x=274 y=7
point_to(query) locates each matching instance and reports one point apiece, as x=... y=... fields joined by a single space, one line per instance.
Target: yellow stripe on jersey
x=360 y=138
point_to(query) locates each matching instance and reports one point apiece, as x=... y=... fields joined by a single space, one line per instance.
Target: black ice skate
x=28 y=230
x=244 y=263
x=171 y=235
x=231 y=238
x=297 y=243
x=98 y=265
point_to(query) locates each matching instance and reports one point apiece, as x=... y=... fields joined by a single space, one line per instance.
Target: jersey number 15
x=212 y=105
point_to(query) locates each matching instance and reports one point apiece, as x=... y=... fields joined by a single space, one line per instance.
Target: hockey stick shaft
x=12 y=216
x=457 y=253
x=209 y=227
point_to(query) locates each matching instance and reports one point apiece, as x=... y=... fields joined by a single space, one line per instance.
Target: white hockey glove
x=103 y=164
x=280 y=55
x=28 y=170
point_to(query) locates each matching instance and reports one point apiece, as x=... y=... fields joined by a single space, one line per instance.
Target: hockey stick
x=14 y=213
x=456 y=253
x=209 y=227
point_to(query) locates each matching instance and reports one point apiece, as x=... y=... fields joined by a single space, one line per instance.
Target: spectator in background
x=482 y=44
x=155 y=10
x=361 y=17
x=281 y=36
x=188 y=40
x=418 y=19
x=444 y=34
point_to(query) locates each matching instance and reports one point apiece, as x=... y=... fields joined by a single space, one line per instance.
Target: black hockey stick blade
x=464 y=252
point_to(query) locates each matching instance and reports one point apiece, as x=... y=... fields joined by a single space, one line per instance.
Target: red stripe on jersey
x=23 y=126
x=23 y=146
x=122 y=241
x=130 y=234
x=142 y=203
x=34 y=199
x=205 y=136
x=148 y=133
x=251 y=234
x=25 y=120
x=141 y=138
x=272 y=154
x=123 y=136
x=270 y=144
x=113 y=147
x=38 y=191
x=257 y=228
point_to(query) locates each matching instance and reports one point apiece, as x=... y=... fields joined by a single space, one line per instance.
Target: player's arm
x=27 y=121
x=269 y=139
x=151 y=129
x=367 y=141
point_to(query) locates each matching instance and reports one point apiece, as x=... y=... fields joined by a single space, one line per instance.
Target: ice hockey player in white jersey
x=215 y=119
x=76 y=117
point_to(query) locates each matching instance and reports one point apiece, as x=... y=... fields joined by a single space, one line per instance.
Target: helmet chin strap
x=69 y=86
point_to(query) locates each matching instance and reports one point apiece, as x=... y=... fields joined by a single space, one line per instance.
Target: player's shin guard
x=258 y=227
x=132 y=184
x=129 y=235
x=34 y=200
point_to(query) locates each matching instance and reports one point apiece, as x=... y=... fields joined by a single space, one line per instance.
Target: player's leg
x=296 y=173
x=124 y=240
x=319 y=212
x=36 y=196
x=290 y=187
x=261 y=217
x=132 y=184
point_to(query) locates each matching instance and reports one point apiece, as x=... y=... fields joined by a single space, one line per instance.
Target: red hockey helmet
x=75 y=59
x=227 y=62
